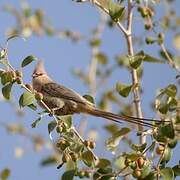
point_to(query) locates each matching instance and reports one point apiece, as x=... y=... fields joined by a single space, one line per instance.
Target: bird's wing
x=59 y=91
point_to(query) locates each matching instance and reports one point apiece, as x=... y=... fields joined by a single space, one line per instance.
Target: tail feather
x=116 y=118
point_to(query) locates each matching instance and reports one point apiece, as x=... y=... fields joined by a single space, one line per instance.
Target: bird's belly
x=60 y=106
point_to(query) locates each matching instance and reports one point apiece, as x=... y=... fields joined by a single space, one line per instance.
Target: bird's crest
x=39 y=69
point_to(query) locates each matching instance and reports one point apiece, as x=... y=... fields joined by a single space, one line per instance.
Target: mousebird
x=64 y=101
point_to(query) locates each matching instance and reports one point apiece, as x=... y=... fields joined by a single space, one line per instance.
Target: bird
x=65 y=101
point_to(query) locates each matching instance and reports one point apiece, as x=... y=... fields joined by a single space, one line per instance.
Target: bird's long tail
x=118 y=118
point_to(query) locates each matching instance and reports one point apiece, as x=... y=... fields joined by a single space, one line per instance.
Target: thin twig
x=42 y=102
x=167 y=54
x=82 y=141
x=119 y=25
x=153 y=143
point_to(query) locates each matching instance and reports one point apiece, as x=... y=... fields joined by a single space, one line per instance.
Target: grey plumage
x=64 y=101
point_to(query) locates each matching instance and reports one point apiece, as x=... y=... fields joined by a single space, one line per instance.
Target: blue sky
x=60 y=56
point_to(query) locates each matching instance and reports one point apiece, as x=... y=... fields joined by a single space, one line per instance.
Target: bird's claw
x=52 y=113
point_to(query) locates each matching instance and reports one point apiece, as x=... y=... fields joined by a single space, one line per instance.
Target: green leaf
x=33 y=107
x=34 y=124
x=166 y=100
x=122 y=60
x=13 y=37
x=177 y=121
x=160 y=137
x=113 y=141
x=95 y=42
x=176 y=170
x=119 y=162
x=49 y=161
x=68 y=175
x=146 y=169
x=51 y=126
x=6 y=91
x=104 y=170
x=137 y=147
x=26 y=10
x=103 y=174
x=176 y=41
x=135 y=61
x=102 y=163
x=164 y=133
x=152 y=59
x=168 y=131
x=172 y=143
x=150 y=176
x=147 y=58
x=112 y=128
x=28 y=60
x=123 y=89
x=167 y=173
x=132 y=156
x=116 y=11
x=178 y=76
x=70 y=165
x=6 y=77
x=102 y=58
x=67 y=120
x=89 y=98
x=1 y=72
x=122 y=132
x=88 y=158
x=163 y=108
x=5 y=174
x=172 y=103
x=3 y=53
x=167 y=155
x=26 y=99
x=171 y=90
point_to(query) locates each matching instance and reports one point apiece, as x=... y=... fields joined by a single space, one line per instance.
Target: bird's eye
x=37 y=75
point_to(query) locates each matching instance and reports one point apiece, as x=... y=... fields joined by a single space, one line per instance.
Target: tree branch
x=134 y=75
x=98 y=4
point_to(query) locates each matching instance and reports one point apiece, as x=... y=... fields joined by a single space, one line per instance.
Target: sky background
x=60 y=57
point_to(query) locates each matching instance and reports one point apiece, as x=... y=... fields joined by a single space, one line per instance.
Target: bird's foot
x=53 y=111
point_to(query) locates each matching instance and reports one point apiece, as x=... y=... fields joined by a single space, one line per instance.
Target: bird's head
x=39 y=76
x=39 y=70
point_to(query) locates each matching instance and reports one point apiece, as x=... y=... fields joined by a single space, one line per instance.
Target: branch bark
x=134 y=75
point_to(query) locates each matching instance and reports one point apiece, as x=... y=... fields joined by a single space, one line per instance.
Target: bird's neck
x=38 y=82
